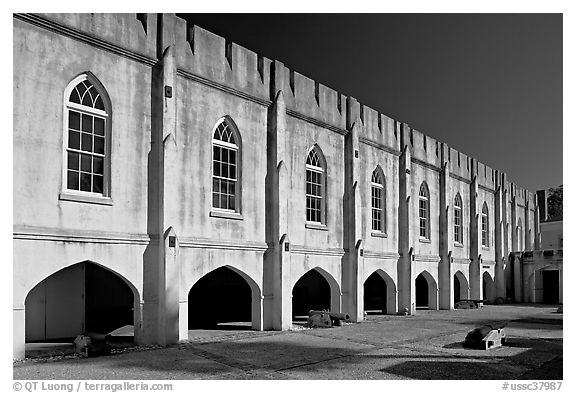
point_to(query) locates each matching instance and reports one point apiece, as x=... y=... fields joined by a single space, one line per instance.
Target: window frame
x=380 y=187
x=458 y=226
x=322 y=171
x=426 y=200
x=484 y=227
x=237 y=148
x=70 y=194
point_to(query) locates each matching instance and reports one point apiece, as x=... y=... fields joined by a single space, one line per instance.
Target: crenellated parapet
x=425 y=149
x=131 y=32
x=379 y=129
x=203 y=54
x=314 y=100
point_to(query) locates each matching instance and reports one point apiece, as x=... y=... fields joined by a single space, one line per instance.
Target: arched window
x=520 y=234
x=226 y=166
x=458 y=238
x=87 y=121
x=424 y=211
x=315 y=186
x=378 y=187
x=485 y=225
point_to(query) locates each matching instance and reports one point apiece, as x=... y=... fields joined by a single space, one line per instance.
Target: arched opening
x=426 y=292
x=222 y=299
x=311 y=292
x=550 y=286
x=457 y=297
x=84 y=297
x=460 y=287
x=487 y=286
x=375 y=295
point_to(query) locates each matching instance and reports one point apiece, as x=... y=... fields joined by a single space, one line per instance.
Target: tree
x=555 y=203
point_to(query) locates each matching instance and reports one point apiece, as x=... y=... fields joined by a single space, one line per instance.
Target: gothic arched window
x=226 y=163
x=315 y=186
x=378 y=188
x=458 y=238
x=87 y=128
x=424 y=211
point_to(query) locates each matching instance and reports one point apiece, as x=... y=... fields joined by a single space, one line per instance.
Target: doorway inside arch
x=456 y=290
x=375 y=295
x=422 y=298
x=222 y=299
x=487 y=287
x=311 y=292
x=84 y=297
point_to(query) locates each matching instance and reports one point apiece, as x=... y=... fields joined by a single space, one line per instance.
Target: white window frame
x=484 y=227
x=379 y=187
x=458 y=230
x=426 y=219
x=237 y=148
x=321 y=170
x=70 y=194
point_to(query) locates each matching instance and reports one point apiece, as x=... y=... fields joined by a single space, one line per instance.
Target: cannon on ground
x=92 y=344
x=326 y=318
x=486 y=337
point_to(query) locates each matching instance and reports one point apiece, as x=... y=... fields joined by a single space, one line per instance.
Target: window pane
x=73 y=180
x=85 y=182
x=74 y=120
x=73 y=161
x=85 y=163
x=224 y=157
x=232 y=188
x=98 y=184
x=74 y=97
x=217 y=153
x=215 y=200
x=224 y=170
x=99 y=126
x=232 y=157
x=86 y=142
x=98 y=165
x=217 y=168
x=232 y=203
x=98 y=145
x=99 y=103
x=216 y=185
x=86 y=123
x=232 y=172
x=74 y=140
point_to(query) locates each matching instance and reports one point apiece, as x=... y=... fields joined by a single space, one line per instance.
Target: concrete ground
x=424 y=346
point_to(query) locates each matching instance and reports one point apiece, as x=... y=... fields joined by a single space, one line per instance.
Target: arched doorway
x=311 y=292
x=84 y=297
x=460 y=287
x=222 y=299
x=487 y=287
x=550 y=286
x=426 y=291
x=375 y=295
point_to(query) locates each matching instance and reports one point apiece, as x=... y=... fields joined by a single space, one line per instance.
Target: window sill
x=97 y=200
x=226 y=214
x=378 y=234
x=317 y=226
x=456 y=244
x=424 y=240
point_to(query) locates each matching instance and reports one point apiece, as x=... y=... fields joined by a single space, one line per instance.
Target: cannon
x=92 y=344
x=326 y=318
x=486 y=337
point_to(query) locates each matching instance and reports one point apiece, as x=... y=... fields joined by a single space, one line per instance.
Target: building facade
x=166 y=178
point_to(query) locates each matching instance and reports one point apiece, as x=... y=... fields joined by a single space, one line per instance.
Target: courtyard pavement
x=424 y=346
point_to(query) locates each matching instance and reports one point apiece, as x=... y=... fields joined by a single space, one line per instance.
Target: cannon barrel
x=334 y=315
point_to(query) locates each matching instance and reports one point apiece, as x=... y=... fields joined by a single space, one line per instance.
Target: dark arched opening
x=375 y=295
x=311 y=292
x=222 y=299
x=422 y=299
x=456 y=290
x=84 y=297
x=487 y=287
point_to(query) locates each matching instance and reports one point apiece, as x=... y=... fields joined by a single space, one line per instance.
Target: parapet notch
x=260 y=66
x=143 y=18
x=228 y=52
x=190 y=36
x=317 y=92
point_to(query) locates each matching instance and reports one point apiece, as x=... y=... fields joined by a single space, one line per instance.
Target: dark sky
x=489 y=85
